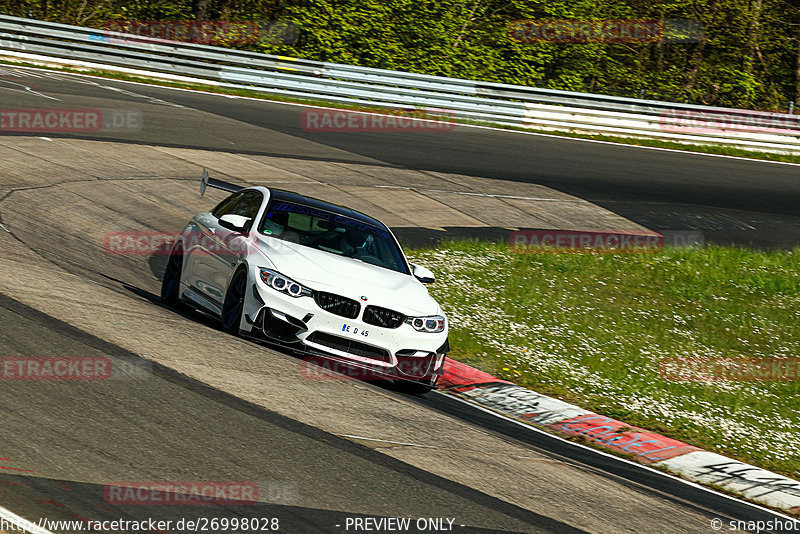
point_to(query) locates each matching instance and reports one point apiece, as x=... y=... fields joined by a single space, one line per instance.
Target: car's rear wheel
x=171 y=283
x=233 y=306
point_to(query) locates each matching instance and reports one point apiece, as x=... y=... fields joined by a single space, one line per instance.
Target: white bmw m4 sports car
x=325 y=279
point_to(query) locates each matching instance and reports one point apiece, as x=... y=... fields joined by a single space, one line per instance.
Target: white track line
x=779 y=515
x=385 y=441
x=20 y=522
x=27 y=90
x=553 y=136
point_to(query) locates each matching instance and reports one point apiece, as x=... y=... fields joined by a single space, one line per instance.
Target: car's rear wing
x=207 y=181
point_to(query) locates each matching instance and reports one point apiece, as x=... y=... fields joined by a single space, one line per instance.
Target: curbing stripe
x=737 y=477
x=523 y=404
x=461 y=377
x=645 y=447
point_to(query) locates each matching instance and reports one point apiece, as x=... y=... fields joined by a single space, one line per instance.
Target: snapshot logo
x=610 y=31
x=770 y=525
x=55 y=368
x=181 y=493
x=577 y=240
x=61 y=120
x=208 y=32
x=152 y=243
x=705 y=369
x=689 y=121
x=333 y=120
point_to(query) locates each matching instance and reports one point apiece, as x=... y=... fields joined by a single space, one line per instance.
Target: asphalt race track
x=730 y=200
x=189 y=403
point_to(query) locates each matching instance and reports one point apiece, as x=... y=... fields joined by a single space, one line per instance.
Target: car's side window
x=248 y=204
x=228 y=205
x=245 y=203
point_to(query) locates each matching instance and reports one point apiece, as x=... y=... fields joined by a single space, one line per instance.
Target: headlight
x=432 y=324
x=284 y=284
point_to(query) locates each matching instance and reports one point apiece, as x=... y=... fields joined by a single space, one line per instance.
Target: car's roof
x=290 y=196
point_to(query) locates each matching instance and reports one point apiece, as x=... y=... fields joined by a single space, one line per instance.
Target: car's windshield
x=332 y=232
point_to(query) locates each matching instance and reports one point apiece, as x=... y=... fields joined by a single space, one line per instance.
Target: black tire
x=171 y=282
x=233 y=307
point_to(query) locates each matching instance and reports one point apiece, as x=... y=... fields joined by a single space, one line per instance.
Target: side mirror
x=236 y=223
x=422 y=274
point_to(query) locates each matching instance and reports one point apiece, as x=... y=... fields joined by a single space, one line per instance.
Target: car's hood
x=348 y=277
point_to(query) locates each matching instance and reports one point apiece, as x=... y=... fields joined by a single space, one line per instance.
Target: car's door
x=230 y=245
x=208 y=256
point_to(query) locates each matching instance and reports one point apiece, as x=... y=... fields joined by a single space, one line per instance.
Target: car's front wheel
x=171 y=283
x=233 y=306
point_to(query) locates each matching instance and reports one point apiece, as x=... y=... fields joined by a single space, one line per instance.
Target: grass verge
x=592 y=328
x=635 y=141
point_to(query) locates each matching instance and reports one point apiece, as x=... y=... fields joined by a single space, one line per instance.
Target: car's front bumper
x=396 y=353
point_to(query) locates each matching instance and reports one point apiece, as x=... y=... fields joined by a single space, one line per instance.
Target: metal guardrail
x=463 y=99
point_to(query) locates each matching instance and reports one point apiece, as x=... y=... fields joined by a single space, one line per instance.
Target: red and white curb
x=640 y=445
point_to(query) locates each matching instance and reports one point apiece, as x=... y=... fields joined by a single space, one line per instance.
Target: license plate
x=350 y=329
